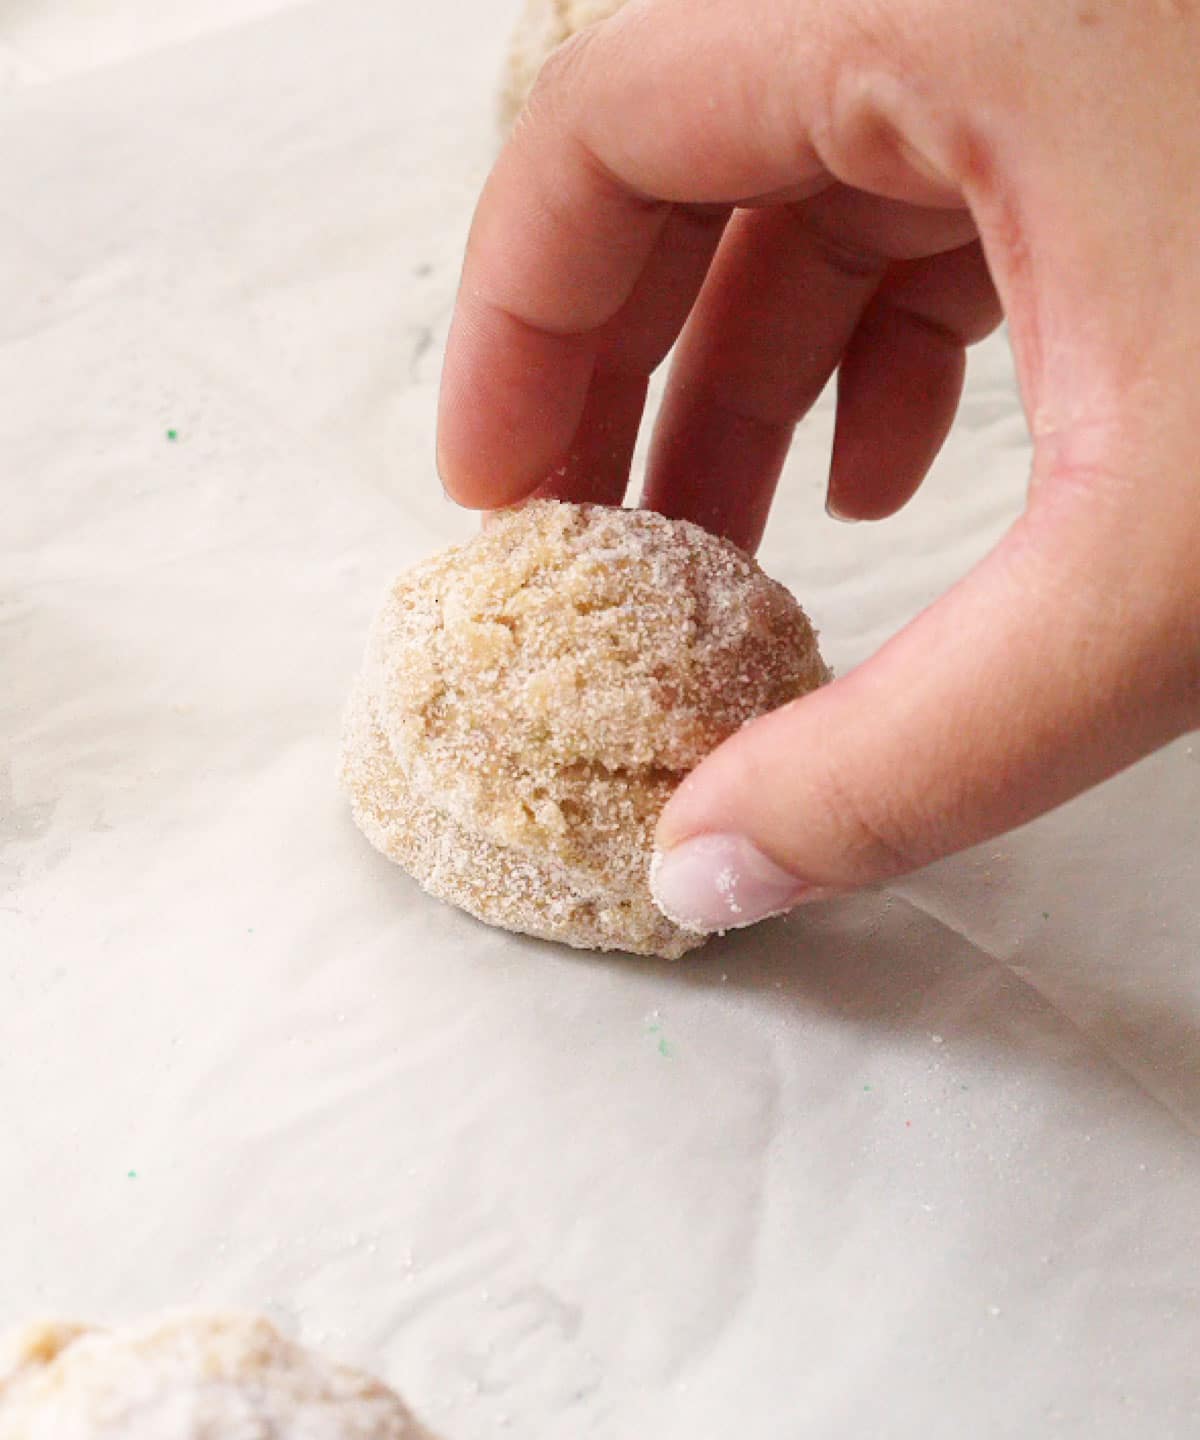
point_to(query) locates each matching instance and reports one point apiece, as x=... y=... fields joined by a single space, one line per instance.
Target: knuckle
x=839 y=251
x=871 y=837
x=561 y=72
x=834 y=831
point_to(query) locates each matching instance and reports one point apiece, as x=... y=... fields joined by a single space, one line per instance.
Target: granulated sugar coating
x=530 y=700
x=187 y=1377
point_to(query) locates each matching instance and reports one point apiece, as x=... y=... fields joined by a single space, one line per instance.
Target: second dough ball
x=542 y=28
x=187 y=1377
x=530 y=700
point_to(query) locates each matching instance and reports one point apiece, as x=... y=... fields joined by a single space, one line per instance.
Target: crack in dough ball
x=542 y=28
x=187 y=1377
x=530 y=700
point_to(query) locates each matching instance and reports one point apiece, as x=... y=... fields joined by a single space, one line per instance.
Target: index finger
x=571 y=216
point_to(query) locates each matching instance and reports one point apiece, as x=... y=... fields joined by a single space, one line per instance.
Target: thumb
x=1040 y=674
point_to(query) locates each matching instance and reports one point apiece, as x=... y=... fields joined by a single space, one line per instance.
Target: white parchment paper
x=922 y=1164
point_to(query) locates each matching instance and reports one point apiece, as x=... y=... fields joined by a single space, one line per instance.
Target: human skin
x=798 y=187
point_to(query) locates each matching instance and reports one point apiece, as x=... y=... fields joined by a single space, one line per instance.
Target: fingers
x=578 y=202
x=596 y=466
x=556 y=250
x=898 y=390
x=1027 y=683
x=777 y=311
x=901 y=377
x=628 y=349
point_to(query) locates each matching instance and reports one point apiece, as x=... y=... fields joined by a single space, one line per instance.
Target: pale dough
x=187 y=1377
x=542 y=28
x=530 y=700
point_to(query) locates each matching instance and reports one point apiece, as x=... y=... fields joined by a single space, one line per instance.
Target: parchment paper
x=922 y=1164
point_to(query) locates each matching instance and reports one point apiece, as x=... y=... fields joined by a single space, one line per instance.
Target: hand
x=798 y=188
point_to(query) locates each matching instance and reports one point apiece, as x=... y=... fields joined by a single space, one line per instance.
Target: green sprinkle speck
x=132 y=1175
x=172 y=434
x=663 y=1047
x=1045 y=914
x=866 y=1087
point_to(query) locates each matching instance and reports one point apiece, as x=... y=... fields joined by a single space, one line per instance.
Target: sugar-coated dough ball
x=542 y=28
x=187 y=1377
x=530 y=700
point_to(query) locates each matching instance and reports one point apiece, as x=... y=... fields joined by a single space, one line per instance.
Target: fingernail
x=835 y=514
x=721 y=882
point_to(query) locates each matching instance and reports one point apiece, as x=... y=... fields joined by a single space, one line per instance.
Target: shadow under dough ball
x=530 y=700
x=187 y=1377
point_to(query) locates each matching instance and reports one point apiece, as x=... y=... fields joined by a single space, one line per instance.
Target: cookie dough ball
x=530 y=700
x=542 y=28
x=187 y=1378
